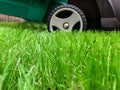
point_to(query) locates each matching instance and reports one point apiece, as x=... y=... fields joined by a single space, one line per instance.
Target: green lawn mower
x=57 y=14
x=66 y=15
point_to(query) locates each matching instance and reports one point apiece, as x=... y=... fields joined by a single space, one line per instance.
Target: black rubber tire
x=91 y=10
x=84 y=20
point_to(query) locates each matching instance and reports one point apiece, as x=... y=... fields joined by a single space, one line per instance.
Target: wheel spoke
x=73 y=19
x=57 y=22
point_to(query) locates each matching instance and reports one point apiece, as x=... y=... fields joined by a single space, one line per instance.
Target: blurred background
x=10 y=18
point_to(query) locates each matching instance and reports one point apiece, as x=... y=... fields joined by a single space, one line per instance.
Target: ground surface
x=33 y=59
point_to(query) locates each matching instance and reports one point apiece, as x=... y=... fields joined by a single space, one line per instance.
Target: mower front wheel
x=67 y=18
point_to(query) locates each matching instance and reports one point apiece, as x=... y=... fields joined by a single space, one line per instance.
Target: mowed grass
x=33 y=59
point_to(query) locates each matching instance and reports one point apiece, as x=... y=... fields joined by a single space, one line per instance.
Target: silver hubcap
x=66 y=24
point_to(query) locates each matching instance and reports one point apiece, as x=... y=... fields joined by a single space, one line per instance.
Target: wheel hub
x=66 y=25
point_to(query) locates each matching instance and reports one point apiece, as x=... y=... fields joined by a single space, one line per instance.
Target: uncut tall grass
x=33 y=59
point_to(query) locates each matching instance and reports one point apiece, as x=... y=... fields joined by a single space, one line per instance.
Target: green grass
x=33 y=59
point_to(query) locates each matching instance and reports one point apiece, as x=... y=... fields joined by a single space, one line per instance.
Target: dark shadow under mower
x=91 y=11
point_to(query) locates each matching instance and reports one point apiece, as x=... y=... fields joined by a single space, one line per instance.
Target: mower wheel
x=67 y=18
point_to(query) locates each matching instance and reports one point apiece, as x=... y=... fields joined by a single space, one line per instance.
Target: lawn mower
x=66 y=15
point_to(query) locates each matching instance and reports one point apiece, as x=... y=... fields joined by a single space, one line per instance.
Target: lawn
x=31 y=58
